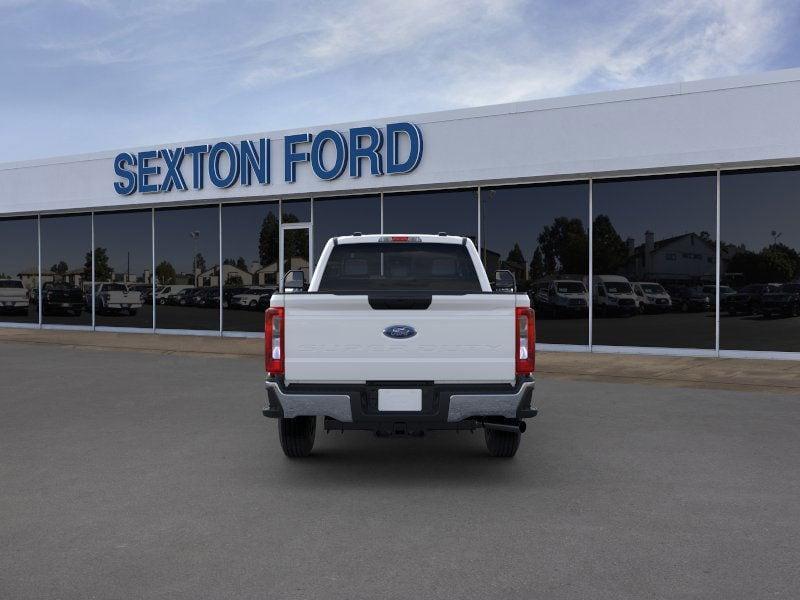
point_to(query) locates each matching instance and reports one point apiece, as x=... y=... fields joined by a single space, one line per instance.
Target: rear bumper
x=442 y=403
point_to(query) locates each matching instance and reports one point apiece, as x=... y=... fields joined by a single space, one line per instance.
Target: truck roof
x=372 y=238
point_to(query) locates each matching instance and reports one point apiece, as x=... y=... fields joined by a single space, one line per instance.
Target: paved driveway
x=145 y=475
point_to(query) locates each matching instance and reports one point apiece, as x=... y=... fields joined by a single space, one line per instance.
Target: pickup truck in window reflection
x=400 y=335
x=62 y=298
x=14 y=298
x=783 y=302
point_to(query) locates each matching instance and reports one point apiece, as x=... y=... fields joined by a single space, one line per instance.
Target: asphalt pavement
x=147 y=475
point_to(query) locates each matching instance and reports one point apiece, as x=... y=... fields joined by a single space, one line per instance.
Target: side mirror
x=504 y=281
x=294 y=281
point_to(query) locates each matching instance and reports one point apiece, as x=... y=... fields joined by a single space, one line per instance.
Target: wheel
x=297 y=435
x=162 y=301
x=501 y=444
x=253 y=303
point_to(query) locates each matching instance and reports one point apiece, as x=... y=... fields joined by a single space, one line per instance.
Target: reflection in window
x=123 y=266
x=19 y=270
x=453 y=212
x=66 y=269
x=655 y=231
x=540 y=233
x=344 y=216
x=760 y=260
x=187 y=268
x=296 y=211
x=250 y=263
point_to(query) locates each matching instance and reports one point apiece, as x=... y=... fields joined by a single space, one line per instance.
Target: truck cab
x=613 y=295
x=399 y=335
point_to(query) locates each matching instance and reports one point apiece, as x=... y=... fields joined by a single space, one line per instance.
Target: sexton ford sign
x=225 y=164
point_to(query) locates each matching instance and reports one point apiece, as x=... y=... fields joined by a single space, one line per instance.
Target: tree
x=537 y=269
x=229 y=261
x=59 y=268
x=199 y=262
x=102 y=271
x=268 y=241
x=515 y=255
x=241 y=263
x=165 y=273
x=775 y=263
x=610 y=252
x=234 y=281
x=565 y=246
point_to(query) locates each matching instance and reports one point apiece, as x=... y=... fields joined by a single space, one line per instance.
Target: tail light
x=525 y=341
x=273 y=341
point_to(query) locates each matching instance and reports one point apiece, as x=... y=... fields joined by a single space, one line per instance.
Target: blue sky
x=89 y=75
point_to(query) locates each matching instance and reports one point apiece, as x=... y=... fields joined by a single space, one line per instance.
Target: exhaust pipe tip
x=510 y=427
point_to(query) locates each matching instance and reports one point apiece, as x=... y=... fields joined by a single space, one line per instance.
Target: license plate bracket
x=399 y=400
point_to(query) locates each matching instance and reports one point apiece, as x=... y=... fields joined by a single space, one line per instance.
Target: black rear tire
x=297 y=435
x=501 y=444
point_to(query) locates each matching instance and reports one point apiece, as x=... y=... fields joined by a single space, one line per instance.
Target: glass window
x=296 y=211
x=123 y=264
x=655 y=230
x=249 y=263
x=19 y=270
x=760 y=260
x=344 y=216
x=540 y=233
x=401 y=266
x=187 y=269
x=454 y=212
x=66 y=269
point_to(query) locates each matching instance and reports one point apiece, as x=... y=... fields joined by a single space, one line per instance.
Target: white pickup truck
x=13 y=296
x=399 y=335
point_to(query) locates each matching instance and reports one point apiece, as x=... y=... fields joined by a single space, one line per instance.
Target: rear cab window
x=405 y=266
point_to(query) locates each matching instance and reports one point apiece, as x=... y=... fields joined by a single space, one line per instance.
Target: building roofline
x=562 y=102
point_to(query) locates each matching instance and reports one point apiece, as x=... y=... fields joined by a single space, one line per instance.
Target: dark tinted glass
x=400 y=267
x=19 y=270
x=454 y=212
x=760 y=231
x=187 y=257
x=123 y=268
x=66 y=269
x=540 y=233
x=250 y=263
x=344 y=216
x=296 y=211
x=659 y=231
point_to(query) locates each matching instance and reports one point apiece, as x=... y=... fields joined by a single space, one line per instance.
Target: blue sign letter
x=213 y=164
x=318 y=147
x=146 y=170
x=393 y=131
x=122 y=159
x=290 y=157
x=173 y=176
x=197 y=152
x=371 y=151
x=254 y=162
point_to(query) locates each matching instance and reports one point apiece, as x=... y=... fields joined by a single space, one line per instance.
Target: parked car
x=561 y=297
x=411 y=346
x=111 y=298
x=651 y=297
x=725 y=293
x=182 y=297
x=249 y=298
x=62 y=298
x=145 y=289
x=263 y=301
x=748 y=299
x=206 y=297
x=689 y=299
x=166 y=293
x=14 y=298
x=784 y=301
x=613 y=294
x=228 y=292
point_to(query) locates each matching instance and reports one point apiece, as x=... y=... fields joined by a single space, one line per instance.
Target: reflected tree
x=60 y=268
x=268 y=241
x=565 y=246
x=610 y=252
x=165 y=273
x=102 y=270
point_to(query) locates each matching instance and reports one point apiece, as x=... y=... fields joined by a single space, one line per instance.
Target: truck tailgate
x=459 y=338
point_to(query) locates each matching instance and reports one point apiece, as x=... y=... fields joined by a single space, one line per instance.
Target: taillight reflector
x=273 y=340
x=525 y=340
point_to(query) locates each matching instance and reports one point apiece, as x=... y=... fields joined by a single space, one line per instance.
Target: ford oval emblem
x=400 y=332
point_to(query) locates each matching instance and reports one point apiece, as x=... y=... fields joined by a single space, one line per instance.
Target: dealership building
x=655 y=220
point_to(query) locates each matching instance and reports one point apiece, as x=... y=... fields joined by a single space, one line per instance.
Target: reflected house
x=28 y=277
x=688 y=258
x=268 y=275
x=210 y=277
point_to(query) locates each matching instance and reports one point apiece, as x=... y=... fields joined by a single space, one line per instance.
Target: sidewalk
x=777 y=376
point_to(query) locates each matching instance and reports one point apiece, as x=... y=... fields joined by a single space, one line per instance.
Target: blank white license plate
x=399 y=400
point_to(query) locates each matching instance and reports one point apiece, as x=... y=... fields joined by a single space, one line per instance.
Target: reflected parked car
x=182 y=297
x=613 y=294
x=263 y=301
x=166 y=294
x=726 y=292
x=747 y=300
x=14 y=298
x=207 y=297
x=110 y=298
x=562 y=297
x=249 y=298
x=651 y=297
x=785 y=301
x=228 y=292
x=690 y=299
x=62 y=298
